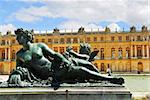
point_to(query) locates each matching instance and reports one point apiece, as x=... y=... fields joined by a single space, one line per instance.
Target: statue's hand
x=69 y=48
x=15 y=80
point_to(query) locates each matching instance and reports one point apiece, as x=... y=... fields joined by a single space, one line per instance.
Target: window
x=112 y=53
x=43 y=40
x=128 y=53
x=120 y=53
x=133 y=39
x=102 y=53
x=120 y=38
x=133 y=51
x=62 y=41
x=3 y=42
x=68 y=40
x=138 y=38
x=102 y=67
x=36 y=40
x=3 y=55
x=13 y=41
x=139 y=51
x=88 y=39
x=127 y=38
x=112 y=38
x=81 y=40
x=75 y=40
x=95 y=39
x=102 y=38
x=13 y=55
x=145 y=51
x=56 y=41
x=49 y=40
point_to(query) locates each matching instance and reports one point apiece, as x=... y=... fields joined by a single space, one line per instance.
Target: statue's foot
x=55 y=85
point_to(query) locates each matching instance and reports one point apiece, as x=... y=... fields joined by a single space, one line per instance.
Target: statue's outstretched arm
x=49 y=52
x=77 y=55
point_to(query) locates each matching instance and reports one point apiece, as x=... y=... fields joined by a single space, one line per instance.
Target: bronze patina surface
x=37 y=63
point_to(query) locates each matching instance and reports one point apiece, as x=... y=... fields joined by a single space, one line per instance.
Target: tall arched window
x=139 y=52
x=102 y=38
x=62 y=41
x=145 y=51
x=49 y=40
x=102 y=67
x=88 y=39
x=120 y=53
x=13 y=55
x=36 y=40
x=43 y=40
x=68 y=40
x=3 y=54
x=75 y=40
x=128 y=55
x=56 y=40
x=95 y=39
x=112 y=53
x=102 y=53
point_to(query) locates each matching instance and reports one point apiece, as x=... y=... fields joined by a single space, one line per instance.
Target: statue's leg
x=87 y=74
x=87 y=65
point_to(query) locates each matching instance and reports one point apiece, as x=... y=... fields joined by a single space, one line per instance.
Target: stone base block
x=65 y=93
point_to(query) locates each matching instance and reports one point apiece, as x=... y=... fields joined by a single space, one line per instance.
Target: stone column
x=71 y=40
x=148 y=56
x=143 y=51
x=78 y=40
x=135 y=51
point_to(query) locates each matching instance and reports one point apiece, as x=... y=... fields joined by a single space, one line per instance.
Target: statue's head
x=24 y=35
x=85 y=48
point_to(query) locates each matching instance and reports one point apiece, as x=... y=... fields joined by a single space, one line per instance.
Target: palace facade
x=122 y=51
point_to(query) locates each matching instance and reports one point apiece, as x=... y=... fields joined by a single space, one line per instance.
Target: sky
x=42 y=15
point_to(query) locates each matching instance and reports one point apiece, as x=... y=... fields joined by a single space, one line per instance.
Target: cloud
x=32 y=14
x=7 y=27
x=88 y=26
x=91 y=11
x=114 y=27
x=76 y=25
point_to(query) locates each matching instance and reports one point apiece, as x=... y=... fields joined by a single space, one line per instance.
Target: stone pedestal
x=66 y=93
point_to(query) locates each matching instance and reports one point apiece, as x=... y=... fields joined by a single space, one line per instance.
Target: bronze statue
x=37 y=61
